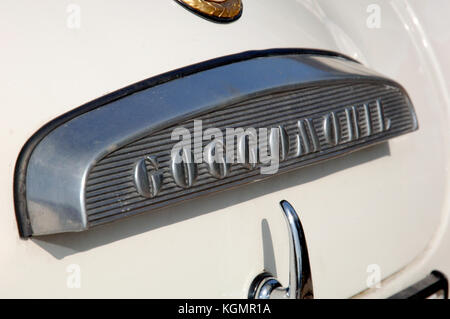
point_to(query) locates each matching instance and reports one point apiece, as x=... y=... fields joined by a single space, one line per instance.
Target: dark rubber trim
x=423 y=289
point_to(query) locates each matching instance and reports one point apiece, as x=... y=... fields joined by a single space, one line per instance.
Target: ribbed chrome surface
x=110 y=189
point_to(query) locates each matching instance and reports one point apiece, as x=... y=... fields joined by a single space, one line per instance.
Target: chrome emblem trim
x=216 y=10
x=317 y=106
x=148 y=185
x=184 y=169
x=217 y=167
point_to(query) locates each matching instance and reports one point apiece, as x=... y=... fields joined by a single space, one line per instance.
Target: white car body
x=380 y=213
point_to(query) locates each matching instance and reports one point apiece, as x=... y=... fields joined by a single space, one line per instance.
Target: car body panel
x=386 y=206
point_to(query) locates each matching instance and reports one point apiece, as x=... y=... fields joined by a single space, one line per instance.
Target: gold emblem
x=218 y=10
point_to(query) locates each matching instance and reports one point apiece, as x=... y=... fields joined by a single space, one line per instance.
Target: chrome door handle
x=265 y=286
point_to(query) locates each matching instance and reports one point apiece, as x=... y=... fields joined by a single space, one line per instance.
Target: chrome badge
x=163 y=141
x=217 y=10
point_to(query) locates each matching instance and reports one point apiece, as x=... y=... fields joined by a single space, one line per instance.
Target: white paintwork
x=387 y=205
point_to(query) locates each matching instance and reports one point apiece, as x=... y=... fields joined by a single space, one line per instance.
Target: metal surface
x=148 y=186
x=81 y=174
x=184 y=171
x=49 y=69
x=217 y=167
x=218 y=10
x=265 y=286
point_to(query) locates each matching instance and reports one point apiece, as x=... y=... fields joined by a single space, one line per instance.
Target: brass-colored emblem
x=217 y=10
